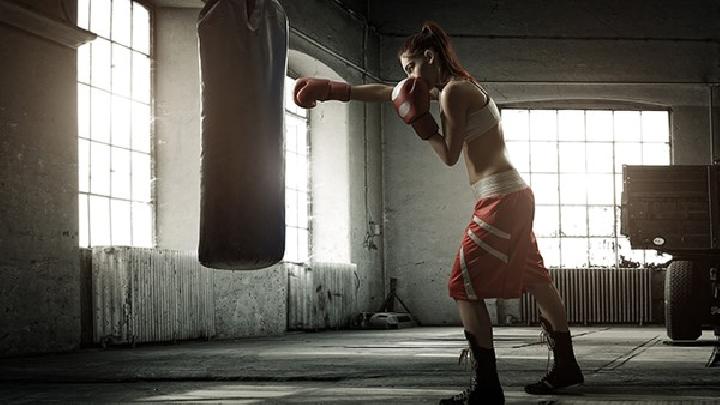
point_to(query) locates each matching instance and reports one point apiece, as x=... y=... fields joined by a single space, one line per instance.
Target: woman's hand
x=435 y=94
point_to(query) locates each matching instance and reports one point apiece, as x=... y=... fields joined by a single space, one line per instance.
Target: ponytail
x=431 y=36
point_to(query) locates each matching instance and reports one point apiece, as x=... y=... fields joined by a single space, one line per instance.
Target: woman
x=498 y=256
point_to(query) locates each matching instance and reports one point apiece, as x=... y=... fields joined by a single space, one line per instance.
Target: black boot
x=565 y=370
x=485 y=386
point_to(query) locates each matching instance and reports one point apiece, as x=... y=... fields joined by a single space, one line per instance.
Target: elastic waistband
x=497 y=184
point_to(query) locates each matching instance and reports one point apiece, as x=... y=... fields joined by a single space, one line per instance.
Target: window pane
x=100 y=116
x=653 y=258
x=121 y=21
x=547 y=221
x=656 y=154
x=83 y=13
x=120 y=214
x=628 y=257
x=618 y=188
x=83 y=237
x=518 y=153
x=83 y=165
x=120 y=121
x=141 y=28
x=83 y=63
x=545 y=188
x=627 y=154
x=602 y=252
x=142 y=225
x=573 y=221
x=572 y=157
x=141 y=177
x=599 y=125
x=572 y=125
x=601 y=188
x=574 y=252
x=121 y=174
x=303 y=245
x=291 y=243
x=141 y=119
x=627 y=126
x=101 y=63
x=542 y=125
x=550 y=251
x=291 y=208
x=302 y=209
x=100 y=169
x=291 y=173
x=141 y=77
x=302 y=135
x=83 y=111
x=99 y=220
x=302 y=173
x=572 y=188
x=600 y=157
x=655 y=126
x=515 y=124
x=543 y=157
x=601 y=221
x=121 y=70
x=100 y=17
x=291 y=133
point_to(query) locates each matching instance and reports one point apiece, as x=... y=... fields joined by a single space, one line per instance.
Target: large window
x=573 y=161
x=114 y=124
x=297 y=180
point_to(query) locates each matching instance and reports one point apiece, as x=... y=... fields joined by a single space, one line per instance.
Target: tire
x=682 y=305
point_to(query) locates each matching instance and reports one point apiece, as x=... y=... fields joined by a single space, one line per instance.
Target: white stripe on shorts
x=469 y=290
x=500 y=255
x=493 y=230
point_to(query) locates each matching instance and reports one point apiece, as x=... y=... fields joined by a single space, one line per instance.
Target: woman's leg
x=485 y=387
x=551 y=306
x=476 y=320
x=565 y=371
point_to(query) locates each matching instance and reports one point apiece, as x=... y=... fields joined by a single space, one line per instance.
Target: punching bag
x=243 y=59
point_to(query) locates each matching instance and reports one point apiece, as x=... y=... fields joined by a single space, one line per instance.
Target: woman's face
x=420 y=66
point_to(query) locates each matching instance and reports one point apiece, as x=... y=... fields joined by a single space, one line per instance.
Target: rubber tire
x=682 y=306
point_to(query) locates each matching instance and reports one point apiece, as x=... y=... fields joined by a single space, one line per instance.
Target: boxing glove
x=411 y=98
x=308 y=91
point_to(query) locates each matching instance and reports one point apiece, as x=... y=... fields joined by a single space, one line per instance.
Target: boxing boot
x=485 y=385
x=565 y=369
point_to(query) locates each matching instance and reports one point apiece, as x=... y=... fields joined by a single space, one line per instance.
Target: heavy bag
x=243 y=59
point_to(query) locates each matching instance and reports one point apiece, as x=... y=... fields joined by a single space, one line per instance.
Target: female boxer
x=498 y=256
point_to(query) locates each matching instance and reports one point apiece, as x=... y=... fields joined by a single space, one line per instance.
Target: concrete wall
x=39 y=256
x=252 y=303
x=660 y=53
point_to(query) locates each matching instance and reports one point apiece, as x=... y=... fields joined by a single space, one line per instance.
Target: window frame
x=591 y=106
x=151 y=152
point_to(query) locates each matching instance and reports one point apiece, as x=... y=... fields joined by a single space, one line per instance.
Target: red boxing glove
x=411 y=98
x=308 y=90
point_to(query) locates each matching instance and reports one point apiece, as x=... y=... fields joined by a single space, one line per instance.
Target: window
x=297 y=180
x=114 y=124
x=573 y=161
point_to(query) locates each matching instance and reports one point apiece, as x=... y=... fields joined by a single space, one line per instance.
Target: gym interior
x=102 y=296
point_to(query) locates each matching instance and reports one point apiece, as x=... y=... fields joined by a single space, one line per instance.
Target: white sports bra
x=480 y=121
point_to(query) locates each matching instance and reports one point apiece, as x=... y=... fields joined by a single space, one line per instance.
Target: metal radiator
x=150 y=295
x=600 y=296
x=321 y=295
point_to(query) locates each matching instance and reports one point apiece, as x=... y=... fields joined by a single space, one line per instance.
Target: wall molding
x=34 y=22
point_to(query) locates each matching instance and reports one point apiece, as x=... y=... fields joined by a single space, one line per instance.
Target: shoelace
x=546 y=337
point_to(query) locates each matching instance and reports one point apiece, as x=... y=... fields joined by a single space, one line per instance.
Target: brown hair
x=433 y=37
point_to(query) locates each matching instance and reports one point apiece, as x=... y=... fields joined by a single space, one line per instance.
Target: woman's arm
x=371 y=92
x=454 y=102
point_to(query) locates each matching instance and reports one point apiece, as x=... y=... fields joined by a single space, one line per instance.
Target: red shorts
x=499 y=254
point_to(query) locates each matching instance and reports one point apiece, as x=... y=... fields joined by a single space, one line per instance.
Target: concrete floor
x=410 y=366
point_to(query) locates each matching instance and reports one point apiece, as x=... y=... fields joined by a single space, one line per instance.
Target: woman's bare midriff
x=485 y=155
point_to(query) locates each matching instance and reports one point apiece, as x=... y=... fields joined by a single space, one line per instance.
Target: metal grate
x=150 y=295
x=600 y=296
